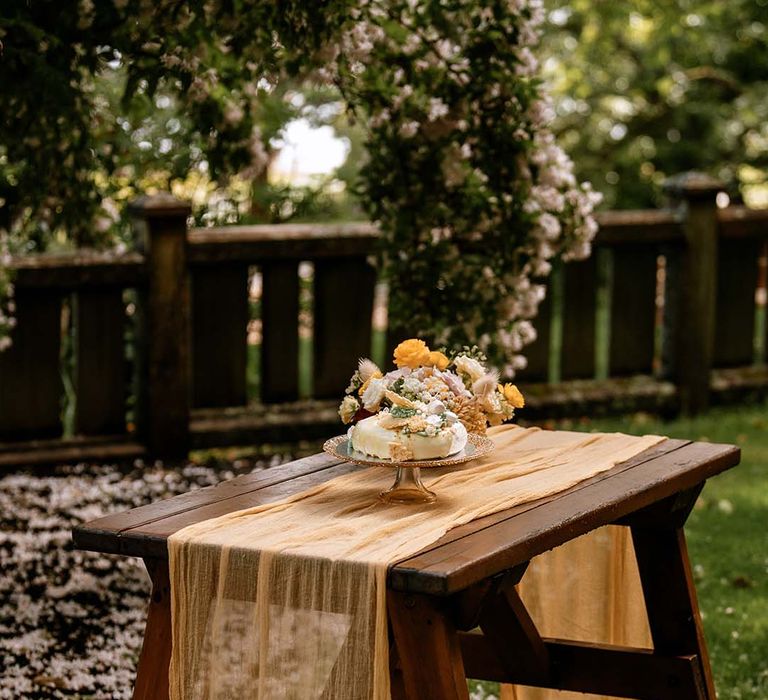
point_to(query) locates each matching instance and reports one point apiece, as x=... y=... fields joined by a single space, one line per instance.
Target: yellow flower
x=376 y=375
x=411 y=353
x=437 y=359
x=349 y=407
x=512 y=394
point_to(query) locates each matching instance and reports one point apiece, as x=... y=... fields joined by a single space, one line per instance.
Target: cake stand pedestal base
x=407 y=489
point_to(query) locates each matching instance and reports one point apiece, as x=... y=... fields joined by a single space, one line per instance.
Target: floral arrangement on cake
x=429 y=390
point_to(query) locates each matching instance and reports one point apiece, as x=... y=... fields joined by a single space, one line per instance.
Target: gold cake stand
x=408 y=488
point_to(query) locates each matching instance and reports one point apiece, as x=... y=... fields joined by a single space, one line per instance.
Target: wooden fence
x=666 y=315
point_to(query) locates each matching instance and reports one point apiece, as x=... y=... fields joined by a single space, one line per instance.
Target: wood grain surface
x=463 y=556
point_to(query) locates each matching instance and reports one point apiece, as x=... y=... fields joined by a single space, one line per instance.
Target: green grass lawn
x=728 y=542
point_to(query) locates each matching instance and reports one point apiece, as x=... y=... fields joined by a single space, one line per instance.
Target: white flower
x=368 y=369
x=412 y=385
x=395 y=374
x=485 y=385
x=349 y=407
x=550 y=226
x=470 y=367
x=409 y=129
x=233 y=114
x=435 y=408
x=454 y=383
x=437 y=109
x=373 y=395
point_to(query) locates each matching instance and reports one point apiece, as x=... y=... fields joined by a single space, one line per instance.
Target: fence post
x=693 y=278
x=163 y=332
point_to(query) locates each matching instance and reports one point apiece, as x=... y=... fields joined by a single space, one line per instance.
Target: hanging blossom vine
x=473 y=196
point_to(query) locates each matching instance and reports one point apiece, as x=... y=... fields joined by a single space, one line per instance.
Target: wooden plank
x=579 y=311
x=671 y=321
x=152 y=675
x=343 y=311
x=670 y=595
x=163 y=331
x=30 y=378
x=220 y=314
x=428 y=648
x=271 y=423
x=243 y=488
x=469 y=553
x=743 y=222
x=633 y=305
x=620 y=228
x=737 y=268
x=761 y=352
x=101 y=535
x=454 y=564
x=79 y=270
x=286 y=242
x=105 y=449
x=507 y=624
x=592 y=668
x=141 y=531
x=666 y=447
x=396 y=682
x=280 y=332
x=676 y=508
x=737 y=385
x=100 y=377
x=150 y=539
x=466 y=606
x=695 y=194
x=662 y=449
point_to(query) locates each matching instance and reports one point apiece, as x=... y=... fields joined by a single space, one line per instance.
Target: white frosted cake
x=387 y=437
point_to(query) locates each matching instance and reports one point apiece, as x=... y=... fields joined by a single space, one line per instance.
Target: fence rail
x=669 y=311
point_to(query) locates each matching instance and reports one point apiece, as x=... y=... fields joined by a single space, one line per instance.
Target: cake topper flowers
x=430 y=390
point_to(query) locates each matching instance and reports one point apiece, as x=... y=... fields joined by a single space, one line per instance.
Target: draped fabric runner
x=287 y=600
x=597 y=598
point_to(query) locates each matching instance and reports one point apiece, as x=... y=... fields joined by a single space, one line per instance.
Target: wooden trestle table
x=453 y=607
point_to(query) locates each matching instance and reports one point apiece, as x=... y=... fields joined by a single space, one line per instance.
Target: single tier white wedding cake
x=416 y=438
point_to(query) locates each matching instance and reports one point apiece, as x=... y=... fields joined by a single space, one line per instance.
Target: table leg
x=396 y=683
x=670 y=597
x=428 y=648
x=152 y=675
x=505 y=621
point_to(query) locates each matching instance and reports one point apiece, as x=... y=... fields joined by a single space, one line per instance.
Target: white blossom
x=469 y=367
x=373 y=394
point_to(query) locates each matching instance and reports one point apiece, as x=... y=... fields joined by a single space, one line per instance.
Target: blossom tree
x=473 y=196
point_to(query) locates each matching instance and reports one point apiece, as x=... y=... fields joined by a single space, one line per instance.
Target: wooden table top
x=463 y=556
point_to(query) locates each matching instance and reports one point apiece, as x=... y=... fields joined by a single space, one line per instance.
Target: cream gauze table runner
x=287 y=600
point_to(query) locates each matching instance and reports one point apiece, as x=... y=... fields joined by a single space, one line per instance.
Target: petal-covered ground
x=71 y=622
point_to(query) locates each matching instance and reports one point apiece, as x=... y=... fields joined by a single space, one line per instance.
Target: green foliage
x=106 y=93
x=648 y=89
x=473 y=196
x=462 y=173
